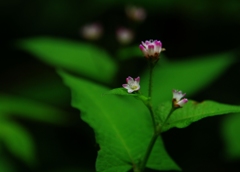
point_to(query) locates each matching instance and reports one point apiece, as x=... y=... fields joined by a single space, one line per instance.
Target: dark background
x=186 y=28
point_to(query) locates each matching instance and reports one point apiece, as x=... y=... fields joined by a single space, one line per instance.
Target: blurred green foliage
x=17 y=139
x=84 y=59
x=230 y=130
x=189 y=76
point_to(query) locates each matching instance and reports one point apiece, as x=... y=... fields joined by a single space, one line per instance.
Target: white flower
x=177 y=98
x=151 y=49
x=132 y=85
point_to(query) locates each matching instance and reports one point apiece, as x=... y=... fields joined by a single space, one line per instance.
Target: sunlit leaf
x=230 y=132
x=85 y=59
x=192 y=112
x=18 y=141
x=30 y=109
x=189 y=76
x=122 y=126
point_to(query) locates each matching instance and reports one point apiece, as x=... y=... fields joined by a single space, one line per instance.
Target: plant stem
x=152 y=116
x=148 y=152
x=153 y=140
x=151 y=66
x=150 y=79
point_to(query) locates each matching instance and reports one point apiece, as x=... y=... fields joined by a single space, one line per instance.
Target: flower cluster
x=132 y=85
x=151 y=49
x=177 y=99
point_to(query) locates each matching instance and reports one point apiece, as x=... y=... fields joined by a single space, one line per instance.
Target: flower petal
x=137 y=79
x=130 y=90
x=125 y=86
x=129 y=80
x=182 y=102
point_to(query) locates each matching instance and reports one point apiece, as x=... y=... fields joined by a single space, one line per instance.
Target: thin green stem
x=150 y=79
x=152 y=116
x=151 y=66
x=153 y=140
x=148 y=152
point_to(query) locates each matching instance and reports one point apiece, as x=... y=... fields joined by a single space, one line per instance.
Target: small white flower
x=177 y=99
x=132 y=85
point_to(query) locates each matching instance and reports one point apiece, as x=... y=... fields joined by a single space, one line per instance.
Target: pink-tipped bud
x=151 y=49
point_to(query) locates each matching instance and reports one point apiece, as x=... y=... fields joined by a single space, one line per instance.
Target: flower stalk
x=151 y=50
x=153 y=140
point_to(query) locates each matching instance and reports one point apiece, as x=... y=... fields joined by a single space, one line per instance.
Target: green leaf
x=18 y=141
x=85 y=59
x=230 y=133
x=192 y=112
x=104 y=165
x=30 y=109
x=188 y=76
x=122 y=126
x=123 y=92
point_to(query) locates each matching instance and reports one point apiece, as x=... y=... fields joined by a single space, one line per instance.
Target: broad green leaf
x=85 y=59
x=116 y=164
x=18 y=141
x=192 y=112
x=123 y=92
x=122 y=126
x=30 y=109
x=188 y=76
x=230 y=133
